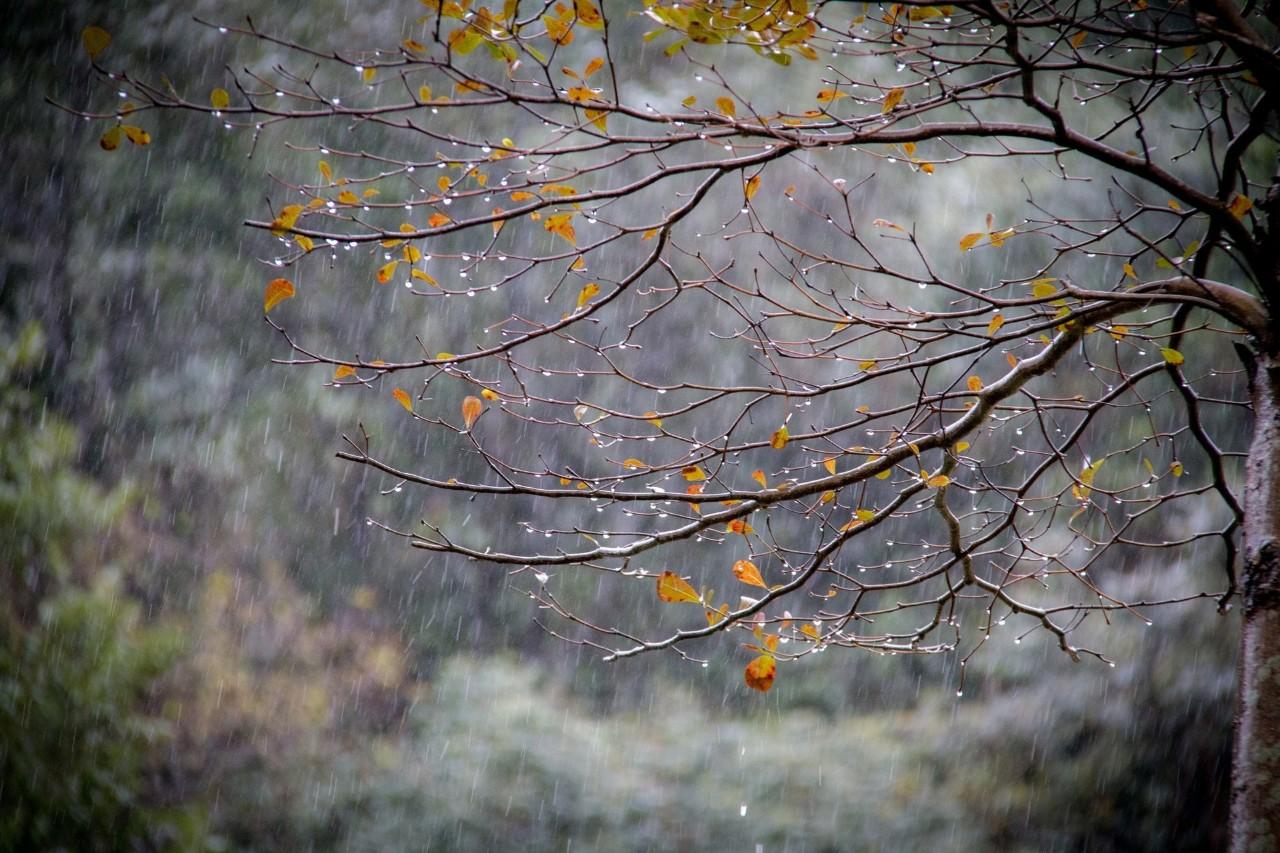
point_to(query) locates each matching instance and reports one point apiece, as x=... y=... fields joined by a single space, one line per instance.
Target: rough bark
x=1255 y=809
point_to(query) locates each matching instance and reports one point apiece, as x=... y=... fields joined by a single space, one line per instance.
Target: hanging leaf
x=652 y=417
x=437 y=220
x=891 y=100
x=95 y=40
x=386 y=271
x=348 y=197
x=471 y=409
x=220 y=99
x=588 y=292
x=759 y=477
x=1129 y=271
x=810 y=631
x=674 y=589
x=277 y=291
x=739 y=525
x=974 y=383
x=727 y=107
x=994 y=326
x=779 y=438
x=760 y=673
x=136 y=135
x=693 y=473
x=746 y=571
x=970 y=240
x=1176 y=468
x=830 y=465
x=598 y=117
x=489 y=394
x=110 y=140
x=592 y=67
x=751 y=186
x=1172 y=355
x=937 y=481
x=343 y=371
x=561 y=224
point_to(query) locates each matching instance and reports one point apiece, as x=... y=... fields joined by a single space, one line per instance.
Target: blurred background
x=204 y=646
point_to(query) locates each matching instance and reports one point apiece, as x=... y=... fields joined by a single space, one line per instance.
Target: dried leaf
x=759 y=477
x=343 y=371
x=746 y=571
x=588 y=292
x=110 y=140
x=727 y=107
x=402 y=397
x=994 y=326
x=779 y=438
x=891 y=100
x=751 y=186
x=970 y=240
x=471 y=409
x=974 y=383
x=277 y=291
x=693 y=473
x=674 y=589
x=760 y=673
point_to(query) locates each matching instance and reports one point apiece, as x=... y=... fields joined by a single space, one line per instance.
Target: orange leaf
x=592 y=67
x=471 y=409
x=436 y=220
x=830 y=465
x=343 y=371
x=693 y=473
x=746 y=571
x=761 y=672
x=674 y=589
x=758 y=476
x=278 y=290
x=751 y=186
x=739 y=525
x=974 y=383
x=726 y=107
x=891 y=100
x=386 y=271
x=402 y=397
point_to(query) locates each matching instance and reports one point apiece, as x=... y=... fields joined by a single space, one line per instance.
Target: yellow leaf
x=561 y=224
x=588 y=292
x=759 y=477
x=650 y=234
x=633 y=463
x=368 y=74
x=760 y=673
x=471 y=409
x=444 y=356
x=997 y=238
x=343 y=371
x=489 y=394
x=779 y=438
x=220 y=99
x=826 y=96
x=974 y=383
x=110 y=140
x=304 y=241
x=830 y=465
x=592 y=67
x=1171 y=355
x=422 y=276
x=1176 y=468
x=424 y=94
x=386 y=271
x=580 y=94
x=970 y=240
x=348 y=197
x=994 y=326
x=414 y=46
x=937 y=481
x=960 y=446
x=136 y=135
x=1129 y=271
x=95 y=40
x=652 y=417
x=437 y=220
x=727 y=107
x=810 y=631
x=674 y=589
x=1078 y=38
x=693 y=473
x=600 y=118
x=718 y=614
x=521 y=195
x=1043 y=291
x=828 y=496
x=402 y=397
x=891 y=100
x=278 y=290
x=751 y=186
x=1240 y=205
x=1118 y=331
x=746 y=571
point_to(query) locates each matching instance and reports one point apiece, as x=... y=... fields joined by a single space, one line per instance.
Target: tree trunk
x=1255 y=800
